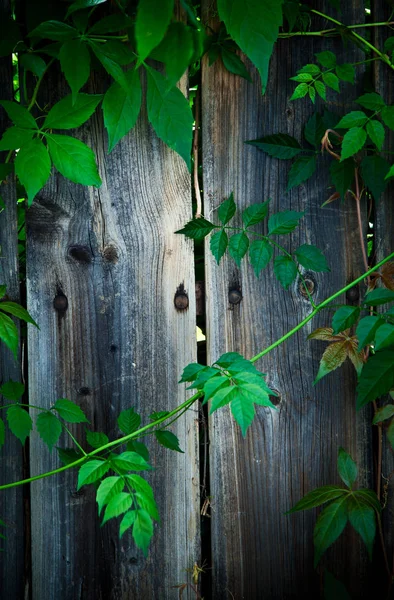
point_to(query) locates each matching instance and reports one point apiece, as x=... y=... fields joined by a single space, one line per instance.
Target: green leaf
x=5 y=170
x=20 y=423
x=285 y=270
x=81 y=4
x=223 y=397
x=2 y=433
x=108 y=488
x=75 y=63
x=170 y=115
x=9 y=333
x=155 y=416
x=371 y=101
x=347 y=468
x=390 y=433
x=302 y=78
x=142 y=530
x=260 y=254
x=197 y=229
x=129 y=461
x=383 y=413
x=384 y=336
x=314 y=130
x=375 y=130
x=147 y=503
x=18 y=311
x=238 y=246
x=141 y=486
x=33 y=167
x=49 y=428
x=318 y=497
x=69 y=411
x=377 y=377
x=152 y=21
x=387 y=115
x=284 y=222
x=121 y=108
x=331 y=81
x=218 y=244
x=279 y=145
x=326 y=59
x=254 y=26
x=342 y=175
x=374 y=168
x=334 y=355
x=139 y=447
x=312 y=93
x=53 y=30
x=356 y=118
x=73 y=159
x=127 y=521
x=234 y=64
x=112 y=66
x=310 y=68
x=344 y=318
x=353 y=141
x=390 y=173
x=168 y=440
x=15 y=137
x=230 y=358
x=312 y=258
x=227 y=209
x=321 y=89
x=12 y=390
x=129 y=421
x=255 y=213
x=111 y=24
x=334 y=589
x=96 y=439
x=68 y=115
x=3 y=289
x=213 y=385
x=329 y=526
x=242 y=410
x=68 y=455
x=346 y=72
x=366 y=330
x=370 y=497
x=379 y=296
x=92 y=471
x=190 y=372
x=117 y=506
x=363 y=519
x=300 y=91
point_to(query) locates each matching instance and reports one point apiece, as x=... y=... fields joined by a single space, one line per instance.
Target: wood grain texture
x=121 y=343
x=258 y=552
x=12 y=563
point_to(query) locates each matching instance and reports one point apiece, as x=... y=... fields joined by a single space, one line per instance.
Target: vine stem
x=188 y=403
x=37 y=86
x=324 y=32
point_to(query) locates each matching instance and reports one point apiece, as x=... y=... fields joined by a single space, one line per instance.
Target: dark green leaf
x=9 y=333
x=110 y=65
x=326 y=59
x=218 y=244
x=12 y=390
x=375 y=130
x=374 y=168
x=329 y=526
x=54 y=30
x=190 y=372
x=384 y=336
x=18 y=311
x=96 y=439
x=383 y=413
x=234 y=64
x=371 y=101
x=334 y=589
x=342 y=175
x=10 y=33
x=5 y=170
x=284 y=222
x=331 y=81
x=168 y=440
x=353 y=141
x=142 y=530
x=75 y=62
x=20 y=423
x=19 y=115
x=344 y=317
x=108 y=488
x=312 y=258
x=347 y=468
x=238 y=246
x=279 y=145
x=379 y=296
x=229 y=358
x=390 y=173
x=68 y=115
x=129 y=421
x=69 y=411
x=362 y=517
x=255 y=213
x=242 y=410
x=178 y=36
x=151 y=24
x=285 y=270
x=197 y=229
x=356 y=118
x=366 y=330
x=314 y=130
x=155 y=416
x=33 y=167
x=111 y=24
x=73 y=159
x=377 y=377
x=387 y=115
x=370 y=497
x=318 y=497
x=68 y=455
x=227 y=209
x=170 y=115
x=81 y=4
x=127 y=521
x=260 y=254
x=254 y=27
x=49 y=428
x=346 y=72
x=139 y=447
x=15 y=137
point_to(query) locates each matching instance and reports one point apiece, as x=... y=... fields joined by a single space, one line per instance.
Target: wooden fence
x=103 y=267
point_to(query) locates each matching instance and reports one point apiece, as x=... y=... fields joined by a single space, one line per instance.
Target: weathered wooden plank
x=257 y=550
x=12 y=563
x=121 y=342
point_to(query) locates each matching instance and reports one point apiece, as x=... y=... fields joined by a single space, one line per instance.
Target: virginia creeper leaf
x=379 y=296
x=312 y=258
x=238 y=246
x=279 y=145
x=53 y=30
x=387 y=115
x=371 y=101
x=18 y=311
x=190 y=372
x=318 y=497
x=326 y=59
x=346 y=72
x=9 y=333
x=121 y=108
x=366 y=330
x=347 y=468
x=197 y=229
x=142 y=530
x=242 y=410
x=49 y=428
x=284 y=222
x=20 y=423
x=152 y=21
x=168 y=440
x=363 y=519
x=383 y=413
x=178 y=36
x=96 y=439
x=227 y=209
x=375 y=130
x=285 y=270
x=73 y=159
x=356 y=118
x=92 y=471
x=111 y=24
x=129 y=461
x=129 y=421
x=377 y=377
x=334 y=589
x=69 y=411
x=344 y=317
x=374 y=169
x=127 y=521
x=12 y=390
x=300 y=91
x=342 y=175
x=33 y=167
x=334 y=355
x=331 y=80
x=329 y=526
x=255 y=213
x=108 y=488
x=260 y=254
x=75 y=63
x=218 y=244
x=384 y=336
x=234 y=64
x=118 y=504
x=68 y=115
x=353 y=141
x=81 y=4
x=19 y=115
x=15 y=137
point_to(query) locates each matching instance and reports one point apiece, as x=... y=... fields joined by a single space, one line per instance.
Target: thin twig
x=195 y=155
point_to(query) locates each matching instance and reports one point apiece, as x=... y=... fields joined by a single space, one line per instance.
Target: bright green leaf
x=49 y=428
x=73 y=159
x=9 y=333
x=69 y=411
x=117 y=506
x=129 y=421
x=331 y=81
x=17 y=311
x=222 y=397
x=197 y=229
x=129 y=461
x=353 y=141
x=75 y=63
x=356 y=118
x=20 y=423
x=33 y=167
x=190 y=372
x=321 y=89
x=242 y=410
x=213 y=385
x=15 y=137
x=92 y=471
x=121 y=108
x=108 y=488
x=344 y=317
x=152 y=21
x=112 y=66
x=227 y=209
x=127 y=521
x=371 y=101
x=66 y=115
x=300 y=91
x=142 y=530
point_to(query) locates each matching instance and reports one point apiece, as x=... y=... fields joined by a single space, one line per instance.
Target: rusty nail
x=234 y=296
x=60 y=303
x=181 y=301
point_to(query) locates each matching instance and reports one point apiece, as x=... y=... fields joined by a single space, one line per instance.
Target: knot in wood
x=81 y=254
x=353 y=294
x=234 y=296
x=181 y=301
x=307 y=284
x=110 y=254
x=60 y=303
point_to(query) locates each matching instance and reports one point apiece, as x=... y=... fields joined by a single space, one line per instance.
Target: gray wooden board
x=384 y=236
x=121 y=343
x=257 y=550
x=12 y=563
